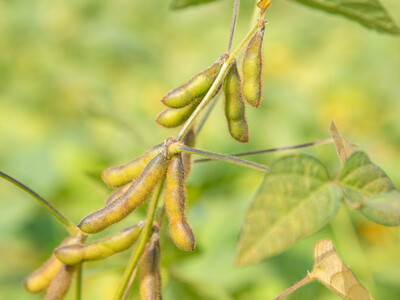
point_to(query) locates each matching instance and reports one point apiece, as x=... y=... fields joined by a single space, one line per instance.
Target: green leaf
x=295 y=200
x=369 y=13
x=177 y=4
x=383 y=209
x=367 y=187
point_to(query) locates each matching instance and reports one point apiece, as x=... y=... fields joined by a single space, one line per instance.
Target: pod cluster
x=183 y=100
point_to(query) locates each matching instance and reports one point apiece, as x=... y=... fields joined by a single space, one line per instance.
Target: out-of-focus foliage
x=80 y=87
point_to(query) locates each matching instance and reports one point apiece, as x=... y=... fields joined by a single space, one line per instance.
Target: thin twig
x=71 y=227
x=128 y=287
x=321 y=142
x=143 y=239
x=290 y=290
x=234 y=17
x=205 y=116
x=217 y=156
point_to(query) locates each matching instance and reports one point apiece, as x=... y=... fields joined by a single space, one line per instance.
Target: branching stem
x=299 y=284
x=315 y=143
x=143 y=239
x=217 y=156
x=71 y=227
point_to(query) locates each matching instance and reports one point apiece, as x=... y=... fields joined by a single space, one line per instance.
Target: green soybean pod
x=118 y=193
x=40 y=279
x=252 y=70
x=175 y=204
x=196 y=87
x=150 y=278
x=136 y=194
x=60 y=284
x=173 y=117
x=189 y=140
x=107 y=246
x=120 y=175
x=235 y=110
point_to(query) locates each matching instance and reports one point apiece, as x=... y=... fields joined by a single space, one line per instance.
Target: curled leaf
x=343 y=148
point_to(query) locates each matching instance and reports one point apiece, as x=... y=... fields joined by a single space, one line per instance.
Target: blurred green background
x=80 y=87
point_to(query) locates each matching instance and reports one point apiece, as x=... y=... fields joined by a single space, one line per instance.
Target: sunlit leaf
x=295 y=200
x=383 y=209
x=343 y=148
x=330 y=270
x=367 y=187
x=176 y=4
x=369 y=13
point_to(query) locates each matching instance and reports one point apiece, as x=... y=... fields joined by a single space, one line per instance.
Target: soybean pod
x=118 y=193
x=40 y=279
x=196 y=87
x=120 y=175
x=235 y=110
x=60 y=284
x=150 y=278
x=107 y=246
x=136 y=194
x=175 y=204
x=252 y=69
x=173 y=117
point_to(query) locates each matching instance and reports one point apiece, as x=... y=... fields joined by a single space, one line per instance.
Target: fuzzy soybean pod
x=117 y=193
x=252 y=70
x=173 y=117
x=234 y=106
x=196 y=87
x=120 y=175
x=136 y=194
x=189 y=140
x=41 y=278
x=60 y=284
x=114 y=243
x=175 y=204
x=150 y=278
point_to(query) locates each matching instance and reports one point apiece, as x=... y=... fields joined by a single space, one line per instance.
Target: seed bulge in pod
x=196 y=87
x=234 y=106
x=173 y=117
x=120 y=175
x=107 y=246
x=189 y=140
x=252 y=70
x=136 y=195
x=60 y=284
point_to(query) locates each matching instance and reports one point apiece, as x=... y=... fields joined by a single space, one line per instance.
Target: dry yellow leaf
x=330 y=270
x=263 y=4
x=343 y=148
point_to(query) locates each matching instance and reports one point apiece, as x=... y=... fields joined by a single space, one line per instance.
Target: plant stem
x=215 y=85
x=144 y=236
x=131 y=280
x=217 y=156
x=315 y=143
x=71 y=227
x=234 y=17
x=290 y=290
x=78 y=291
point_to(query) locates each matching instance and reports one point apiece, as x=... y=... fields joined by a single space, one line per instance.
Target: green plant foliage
x=369 y=13
x=367 y=187
x=176 y=4
x=295 y=200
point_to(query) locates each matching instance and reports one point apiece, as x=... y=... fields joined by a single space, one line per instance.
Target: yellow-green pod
x=173 y=117
x=107 y=246
x=150 y=278
x=189 y=140
x=136 y=194
x=60 y=284
x=175 y=203
x=118 y=193
x=235 y=110
x=120 y=175
x=196 y=87
x=252 y=70
x=41 y=278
